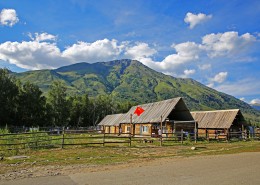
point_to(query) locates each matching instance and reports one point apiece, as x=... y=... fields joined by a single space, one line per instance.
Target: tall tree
x=76 y=110
x=31 y=105
x=8 y=98
x=88 y=111
x=103 y=105
x=59 y=103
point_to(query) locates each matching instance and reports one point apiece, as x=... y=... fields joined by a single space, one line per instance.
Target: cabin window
x=145 y=128
x=128 y=129
x=164 y=129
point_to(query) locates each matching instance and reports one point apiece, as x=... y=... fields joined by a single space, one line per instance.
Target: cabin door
x=141 y=129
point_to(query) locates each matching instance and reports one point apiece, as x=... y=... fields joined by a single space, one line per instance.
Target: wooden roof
x=156 y=111
x=216 y=118
x=112 y=120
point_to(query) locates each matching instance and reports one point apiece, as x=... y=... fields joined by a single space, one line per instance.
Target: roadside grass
x=114 y=154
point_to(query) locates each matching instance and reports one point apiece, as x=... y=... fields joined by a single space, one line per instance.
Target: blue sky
x=215 y=42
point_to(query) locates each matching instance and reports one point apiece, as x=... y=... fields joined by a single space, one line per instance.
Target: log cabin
x=170 y=116
x=110 y=124
x=220 y=123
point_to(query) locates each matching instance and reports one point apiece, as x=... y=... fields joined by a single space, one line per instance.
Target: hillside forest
x=23 y=105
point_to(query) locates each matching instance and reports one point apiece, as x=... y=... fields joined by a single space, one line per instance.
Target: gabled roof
x=154 y=112
x=216 y=118
x=112 y=120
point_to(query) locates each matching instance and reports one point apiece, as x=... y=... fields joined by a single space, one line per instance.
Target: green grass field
x=110 y=155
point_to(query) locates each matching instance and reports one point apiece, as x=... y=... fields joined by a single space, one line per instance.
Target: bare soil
x=242 y=168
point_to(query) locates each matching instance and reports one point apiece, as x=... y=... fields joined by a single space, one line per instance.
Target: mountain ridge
x=132 y=81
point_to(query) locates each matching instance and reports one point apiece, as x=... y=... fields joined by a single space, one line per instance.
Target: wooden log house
x=170 y=116
x=110 y=124
x=220 y=123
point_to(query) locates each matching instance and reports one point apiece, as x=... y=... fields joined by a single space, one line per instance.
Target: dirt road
x=232 y=169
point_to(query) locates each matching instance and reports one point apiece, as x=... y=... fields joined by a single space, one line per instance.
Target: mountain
x=131 y=80
x=256 y=106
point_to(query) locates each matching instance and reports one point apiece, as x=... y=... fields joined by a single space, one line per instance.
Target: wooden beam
x=131 y=124
x=195 y=132
x=161 y=133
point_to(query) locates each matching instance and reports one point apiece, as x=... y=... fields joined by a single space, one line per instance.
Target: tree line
x=25 y=105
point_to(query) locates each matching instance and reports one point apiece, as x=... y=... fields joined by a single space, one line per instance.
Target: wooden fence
x=64 y=138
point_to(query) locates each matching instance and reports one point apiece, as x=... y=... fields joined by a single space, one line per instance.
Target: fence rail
x=47 y=139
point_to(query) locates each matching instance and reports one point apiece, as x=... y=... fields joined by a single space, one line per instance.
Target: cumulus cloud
x=8 y=17
x=100 y=50
x=185 y=52
x=211 y=85
x=42 y=52
x=255 y=102
x=220 y=77
x=173 y=64
x=139 y=51
x=42 y=37
x=188 y=72
x=195 y=19
x=32 y=54
x=226 y=44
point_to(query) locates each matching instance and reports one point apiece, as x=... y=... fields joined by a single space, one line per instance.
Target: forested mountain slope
x=132 y=81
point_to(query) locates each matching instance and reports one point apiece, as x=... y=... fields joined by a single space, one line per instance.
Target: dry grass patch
x=100 y=156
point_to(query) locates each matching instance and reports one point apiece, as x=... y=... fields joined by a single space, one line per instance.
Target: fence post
x=63 y=137
x=207 y=134
x=227 y=132
x=195 y=132
x=35 y=136
x=161 y=132
x=181 y=136
x=131 y=129
x=130 y=140
x=104 y=137
x=245 y=135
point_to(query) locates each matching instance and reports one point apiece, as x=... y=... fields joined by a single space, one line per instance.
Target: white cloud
x=255 y=102
x=42 y=37
x=139 y=51
x=43 y=52
x=242 y=99
x=188 y=49
x=193 y=19
x=226 y=44
x=185 y=53
x=8 y=17
x=220 y=77
x=188 y=72
x=40 y=53
x=211 y=85
x=32 y=54
x=100 y=50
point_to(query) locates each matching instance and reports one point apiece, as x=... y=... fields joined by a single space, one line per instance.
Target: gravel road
x=232 y=169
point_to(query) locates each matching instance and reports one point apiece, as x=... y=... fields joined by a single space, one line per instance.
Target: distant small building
x=219 y=121
x=172 y=114
x=110 y=124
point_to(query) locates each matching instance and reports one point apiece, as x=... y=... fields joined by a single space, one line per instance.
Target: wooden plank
x=81 y=143
x=117 y=142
